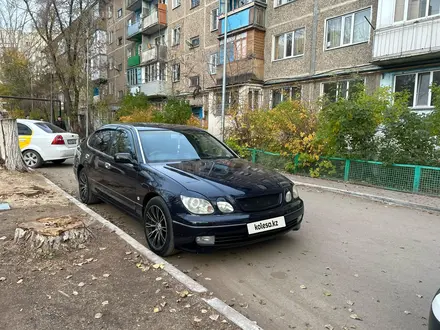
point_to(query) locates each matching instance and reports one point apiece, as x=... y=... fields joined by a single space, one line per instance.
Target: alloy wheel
x=30 y=159
x=156 y=227
x=83 y=186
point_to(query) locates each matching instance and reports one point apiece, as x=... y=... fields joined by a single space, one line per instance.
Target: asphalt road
x=351 y=256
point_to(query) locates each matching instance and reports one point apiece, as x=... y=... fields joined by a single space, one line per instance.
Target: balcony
x=155 y=88
x=134 y=31
x=133 y=5
x=133 y=61
x=250 y=14
x=419 y=40
x=98 y=75
x=155 y=54
x=156 y=21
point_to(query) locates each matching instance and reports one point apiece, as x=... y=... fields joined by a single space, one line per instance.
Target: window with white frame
x=176 y=3
x=406 y=10
x=176 y=72
x=348 y=29
x=214 y=19
x=212 y=64
x=236 y=48
x=111 y=88
x=289 y=44
x=195 y=42
x=285 y=93
x=418 y=86
x=132 y=77
x=110 y=63
x=194 y=81
x=175 y=36
x=119 y=12
x=155 y=72
x=110 y=11
x=334 y=90
x=282 y=2
x=110 y=37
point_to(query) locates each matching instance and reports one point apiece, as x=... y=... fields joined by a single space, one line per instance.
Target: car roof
x=154 y=127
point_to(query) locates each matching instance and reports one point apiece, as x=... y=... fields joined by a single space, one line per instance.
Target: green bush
x=175 y=111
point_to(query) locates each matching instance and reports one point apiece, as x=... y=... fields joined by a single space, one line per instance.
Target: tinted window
x=49 y=128
x=163 y=146
x=23 y=129
x=122 y=143
x=101 y=140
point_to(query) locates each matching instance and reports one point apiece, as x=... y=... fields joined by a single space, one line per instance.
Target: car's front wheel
x=85 y=194
x=32 y=159
x=158 y=227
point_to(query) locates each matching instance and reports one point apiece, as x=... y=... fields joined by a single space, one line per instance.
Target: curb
x=376 y=198
x=231 y=314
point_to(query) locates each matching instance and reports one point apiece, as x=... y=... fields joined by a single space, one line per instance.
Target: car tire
x=85 y=193
x=158 y=227
x=58 y=161
x=32 y=159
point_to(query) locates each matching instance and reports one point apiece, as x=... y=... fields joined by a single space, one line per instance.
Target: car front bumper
x=231 y=230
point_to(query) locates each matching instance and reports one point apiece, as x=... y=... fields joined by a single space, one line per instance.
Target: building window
x=286 y=93
x=120 y=94
x=344 y=88
x=289 y=44
x=214 y=19
x=254 y=99
x=195 y=42
x=176 y=72
x=120 y=67
x=418 y=86
x=119 y=12
x=194 y=81
x=282 y=2
x=110 y=63
x=406 y=10
x=236 y=48
x=111 y=88
x=195 y=3
x=176 y=36
x=348 y=29
x=110 y=37
x=132 y=77
x=110 y=11
x=119 y=41
x=176 y=3
x=213 y=62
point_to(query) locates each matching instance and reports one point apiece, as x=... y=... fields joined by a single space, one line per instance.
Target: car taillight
x=58 y=140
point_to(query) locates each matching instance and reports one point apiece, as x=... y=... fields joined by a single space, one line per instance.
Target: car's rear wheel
x=32 y=159
x=159 y=227
x=58 y=161
x=85 y=193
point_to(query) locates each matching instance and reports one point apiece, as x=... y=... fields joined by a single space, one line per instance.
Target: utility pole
x=51 y=97
x=87 y=84
x=224 y=69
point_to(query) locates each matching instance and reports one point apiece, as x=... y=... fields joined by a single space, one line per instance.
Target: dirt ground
x=101 y=285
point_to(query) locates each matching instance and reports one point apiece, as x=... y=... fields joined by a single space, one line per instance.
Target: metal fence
x=399 y=177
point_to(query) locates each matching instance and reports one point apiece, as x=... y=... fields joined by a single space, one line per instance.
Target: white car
x=41 y=142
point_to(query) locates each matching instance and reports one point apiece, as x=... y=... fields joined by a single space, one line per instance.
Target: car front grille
x=260 y=203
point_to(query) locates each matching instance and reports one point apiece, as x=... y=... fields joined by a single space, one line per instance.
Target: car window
x=163 y=146
x=122 y=143
x=23 y=129
x=49 y=128
x=101 y=140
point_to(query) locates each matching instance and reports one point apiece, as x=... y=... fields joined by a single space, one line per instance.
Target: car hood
x=225 y=177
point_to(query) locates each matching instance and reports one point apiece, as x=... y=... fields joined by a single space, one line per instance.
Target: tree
x=10 y=154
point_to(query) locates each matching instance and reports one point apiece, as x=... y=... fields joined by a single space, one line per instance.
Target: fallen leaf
x=355 y=317
x=2 y=238
x=327 y=293
x=172 y=310
x=128 y=252
x=98 y=315
x=63 y=293
x=420 y=296
x=158 y=278
x=407 y=312
x=204 y=311
x=163 y=304
x=207 y=278
x=302 y=286
x=329 y=327
x=2 y=279
x=102 y=248
x=157 y=291
x=89 y=259
x=105 y=275
x=94 y=277
x=105 y=303
x=214 y=317
x=156 y=310
x=157 y=266
x=183 y=293
x=350 y=302
x=291 y=291
x=75 y=293
x=187 y=306
x=81 y=284
x=49 y=296
x=350 y=310
x=68 y=276
x=20 y=281
x=356 y=275
x=196 y=319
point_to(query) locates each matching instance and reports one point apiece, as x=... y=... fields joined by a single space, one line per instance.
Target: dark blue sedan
x=190 y=190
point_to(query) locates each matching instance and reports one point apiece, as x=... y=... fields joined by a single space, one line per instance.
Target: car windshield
x=166 y=146
x=49 y=128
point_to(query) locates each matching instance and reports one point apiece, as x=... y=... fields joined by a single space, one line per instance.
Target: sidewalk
x=102 y=285
x=426 y=203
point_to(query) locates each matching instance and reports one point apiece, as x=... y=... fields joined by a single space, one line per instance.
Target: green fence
x=409 y=178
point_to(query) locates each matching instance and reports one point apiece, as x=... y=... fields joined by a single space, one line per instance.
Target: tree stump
x=10 y=153
x=47 y=235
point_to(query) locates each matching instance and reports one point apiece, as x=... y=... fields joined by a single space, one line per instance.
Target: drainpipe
x=314 y=38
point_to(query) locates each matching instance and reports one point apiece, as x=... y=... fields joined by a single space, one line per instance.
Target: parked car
x=42 y=142
x=434 y=316
x=190 y=190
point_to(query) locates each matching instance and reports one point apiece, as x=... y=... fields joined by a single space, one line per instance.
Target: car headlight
x=224 y=206
x=295 y=193
x=197 y=205
x=288 y=196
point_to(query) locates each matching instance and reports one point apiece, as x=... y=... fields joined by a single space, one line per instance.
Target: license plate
x=71 y=141
x=265 y=225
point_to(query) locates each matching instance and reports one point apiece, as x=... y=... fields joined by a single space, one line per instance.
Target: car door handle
x=107 y=166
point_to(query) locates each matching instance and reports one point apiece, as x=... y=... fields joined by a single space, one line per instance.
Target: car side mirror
x=123 y=158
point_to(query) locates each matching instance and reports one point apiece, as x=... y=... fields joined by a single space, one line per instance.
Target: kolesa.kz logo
x=260 y=226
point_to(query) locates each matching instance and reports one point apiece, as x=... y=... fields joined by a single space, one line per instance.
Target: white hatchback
x=41 y=142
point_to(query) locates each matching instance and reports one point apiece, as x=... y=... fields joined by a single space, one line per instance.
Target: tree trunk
x=10 y=154
x=47 y=235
